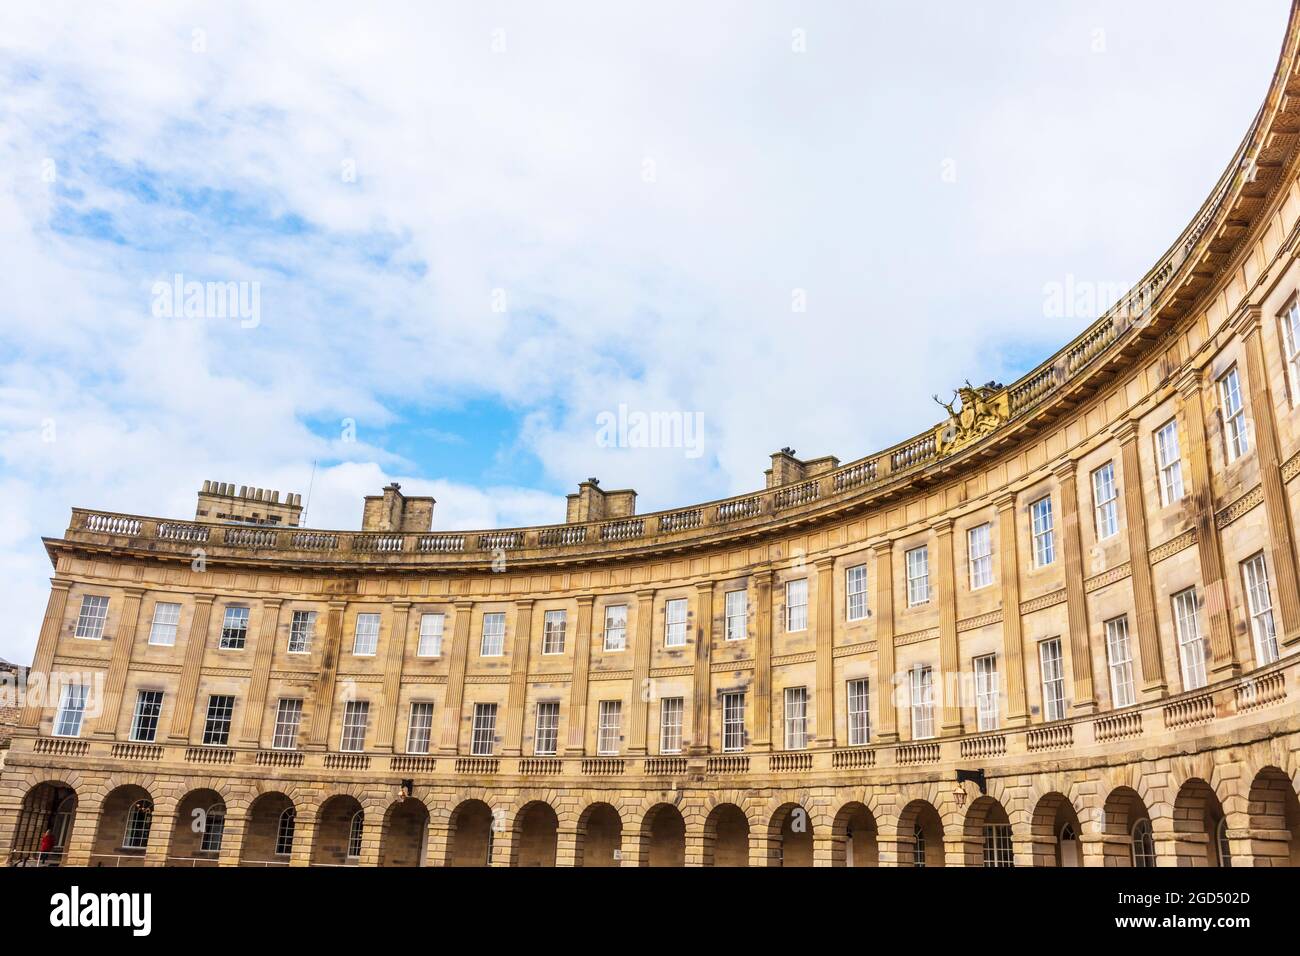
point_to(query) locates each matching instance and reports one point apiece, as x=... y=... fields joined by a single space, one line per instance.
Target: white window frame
x=554 y=623
x=365 y=635
x=433 y=626
x=1043 y=531
x=796 y=718
x=1105 y=501
x=284 y=831
x=1290 y=323
x=91 y=617
x=675 y=613
x=736 y=604
x=356 y=834
x=419 y=727
x=71 y=714
x=546 y=729
x=1169 y=463
x=615 y=628
x=672 y=711
x=356 y=725
x=609 y=727
x=1259 y=606
x=147 y=715
x=234 y=627
x=858 y=694
x=987 y=692
x=917 y=562
x=214 y=828
x=139 y=823
x=483 y=730
x=492 y=642
x=1191 y=644
x=998 y=851
x=219 y=719
x=302 y=631
x=921 y=681
x=166 y=621
x=1119 y=661
x=855 y=593
x=1232 y=412
x=979 y=555
x=288 y=720
x=733 y=721
x=1051 y=672
x=796 y=605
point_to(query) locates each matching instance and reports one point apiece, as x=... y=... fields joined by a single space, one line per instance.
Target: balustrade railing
x=682 y=520
x=624 y=530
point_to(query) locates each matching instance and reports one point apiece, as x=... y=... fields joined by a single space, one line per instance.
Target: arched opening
x=600 y=836
x=471 y=835
x=988 y=835
x=536 y=826
x=340 y=825
x=663 y=837
x=855 y=837
x=125 y=828
x=1200 y=830
x=1055 y=831
x=269 y=831
x=44 y=825
x=1274 y=819
x=791 y=837
x=920 y=836
x=198 y=830
x=1127 y=825
x=406 y=833
x=726 y=836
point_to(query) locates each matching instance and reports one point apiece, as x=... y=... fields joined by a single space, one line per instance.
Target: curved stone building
x=1078 y=596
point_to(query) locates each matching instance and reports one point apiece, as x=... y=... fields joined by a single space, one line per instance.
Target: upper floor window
x=484 y=730
x=553 y=632
x=1053 y=676
x=979 y=548
x=1119 y=658
x=986 y=692
x=288 y=716
x=144 y=722
x=922 y=688
x=166 y=618
x=1192 y=648
x=855 y=590
x=609 y=727
x=301 y=630
x=733 y=721
x=546 y=735
x=1290 y=321
x=72 y=710
x=493 y=643
x=737 y=628
x=675 y=623
x=859 y=694
x=616 y=627
x=1040 y=514
x=419 y=731
x=356 y=720
x=1169 y=463
x=90 y=622
x=431 y=631
x=234 y=628
x=1235 y=439
x=796 y=718
x=1259 y=603
x=918 y=576
x=796 y=605
x=1105 y=501
x=670 y=724
x=365 y=641
x=216 y=728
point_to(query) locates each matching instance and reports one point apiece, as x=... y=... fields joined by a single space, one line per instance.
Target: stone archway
x=726 y=836
x=791 y=835
x=920 y=836
x=198 y=829
x=337 y=840
x=1274 y=819
x=663 y=836
x=50 y=807
x=1126 y=824
x=988 y=835
x=1199 y=826
x=535 y=835
x=471 y=835
x=855 y=833
x=125 y=827
x=1055 y=832
x=600 y=837
x=405 y=837
x=270 y=829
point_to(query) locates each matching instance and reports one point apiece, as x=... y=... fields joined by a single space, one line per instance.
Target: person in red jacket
x=47 y=843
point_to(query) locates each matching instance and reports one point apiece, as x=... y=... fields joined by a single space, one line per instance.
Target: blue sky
x=473 y=229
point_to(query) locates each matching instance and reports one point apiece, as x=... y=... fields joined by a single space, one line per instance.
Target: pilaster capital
x=646 y=596
x=1066 y=469
x=882 y=547
x=135 y=592
x=464 y=606
x=209 y=598
x=704 y=587
x=401 y=605
x=1006 y=501
x=525 y=604
x=824 y=565
x=1189 y=383
x=1126 y=431
x=942 y=526
x=1249 y=320
x=586 y=600
x=60 y=584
